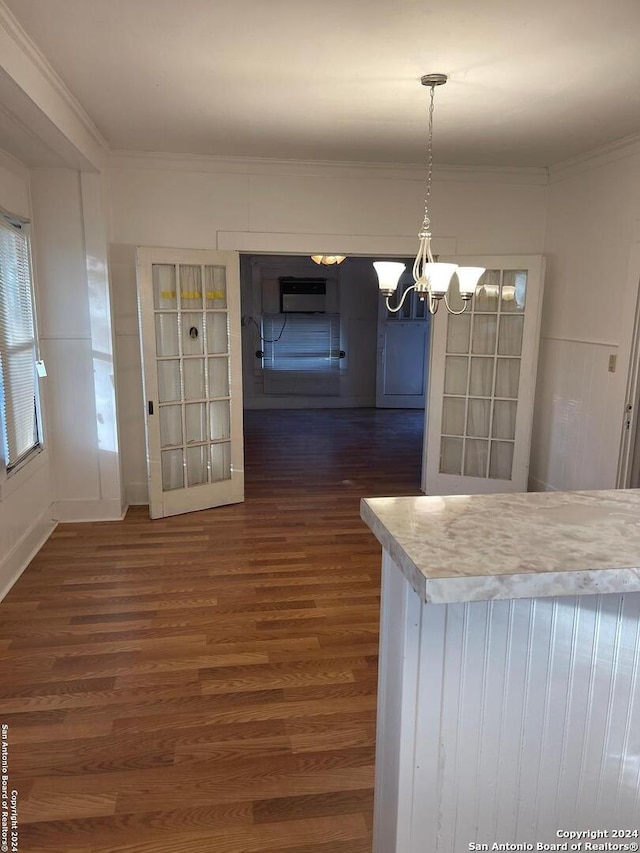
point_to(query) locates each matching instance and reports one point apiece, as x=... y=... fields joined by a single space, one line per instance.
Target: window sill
x=16 y=479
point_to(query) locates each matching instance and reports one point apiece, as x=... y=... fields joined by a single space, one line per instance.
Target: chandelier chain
x=426 y=224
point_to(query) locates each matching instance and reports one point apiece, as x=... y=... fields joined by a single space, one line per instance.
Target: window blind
x=18 y=382
x=301 y=354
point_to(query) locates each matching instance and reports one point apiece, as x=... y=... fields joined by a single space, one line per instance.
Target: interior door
x=482 y=382
x=189 y=310
x=403 y=352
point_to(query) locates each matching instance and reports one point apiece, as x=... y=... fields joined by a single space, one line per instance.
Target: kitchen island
x=509 y=694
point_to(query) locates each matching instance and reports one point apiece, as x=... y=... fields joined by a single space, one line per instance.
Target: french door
x=189 y=310
x=482 y=382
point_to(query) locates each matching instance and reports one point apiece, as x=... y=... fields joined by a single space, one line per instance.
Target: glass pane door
x=192 y=342
x=195 y=371
x=483 y=379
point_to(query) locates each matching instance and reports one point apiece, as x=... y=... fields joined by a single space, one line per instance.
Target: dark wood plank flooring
x=207 y=682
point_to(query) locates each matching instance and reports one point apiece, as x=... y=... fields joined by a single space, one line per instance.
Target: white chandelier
x=431 y=278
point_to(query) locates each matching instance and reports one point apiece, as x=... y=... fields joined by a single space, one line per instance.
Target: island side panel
x=526 y=721
x=400 y=620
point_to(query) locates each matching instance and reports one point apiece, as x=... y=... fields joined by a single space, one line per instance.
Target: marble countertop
x=540 y=544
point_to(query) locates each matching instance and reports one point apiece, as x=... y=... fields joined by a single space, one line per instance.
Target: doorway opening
x=379 y=362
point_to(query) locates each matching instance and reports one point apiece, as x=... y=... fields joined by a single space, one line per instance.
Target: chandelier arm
x=402 y=301
x=450 y=309
x=433 y=305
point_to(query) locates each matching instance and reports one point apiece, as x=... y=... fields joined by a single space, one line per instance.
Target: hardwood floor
x=207 y=682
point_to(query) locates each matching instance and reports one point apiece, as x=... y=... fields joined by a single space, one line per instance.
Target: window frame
x=12 y=476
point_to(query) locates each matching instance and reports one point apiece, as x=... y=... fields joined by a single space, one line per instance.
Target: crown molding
x=255 y=166
x=611 y=152
x=29 y=51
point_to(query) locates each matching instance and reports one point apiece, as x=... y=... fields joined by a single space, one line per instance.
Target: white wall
x=293 y=207
x=26 y=498
x=75 y=335
x=591 y=288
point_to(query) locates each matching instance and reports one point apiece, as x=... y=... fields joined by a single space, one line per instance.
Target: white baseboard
x=25 y=550
x=309 y=403
x=137 y=494
x=110 y=510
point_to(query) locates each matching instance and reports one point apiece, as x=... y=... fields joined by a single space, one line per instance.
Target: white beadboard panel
x=70 y=396
x=59 y=250
x=501 y=219
x=389 y=830
x=16 y=560
x=576 y=429
x=88 y=510
x=102 y=334
x=585 y=293
x=524 y=719
x=131 y=413
x=172 y=208
x=25 y=518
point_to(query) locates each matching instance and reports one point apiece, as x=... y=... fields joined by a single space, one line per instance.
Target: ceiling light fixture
x=327 y=260
x=431 y=278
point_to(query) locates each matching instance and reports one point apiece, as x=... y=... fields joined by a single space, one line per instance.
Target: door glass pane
x=219 y=377
x=220 y=462
x=504 y=419
x=172 y=470
x=510 y=337
x=192 y=342
x=215 y=279
x=220 y=420
x=190 y=287
x=170 y=425
x=196 y=422
x=514 y=290
x=501 y=460
x=455 y=374
x=217 y=335
x=484 y=334
x=194 y=378
x=481 y=380
x=421 y=308
x=453 y=409
x=168 y=381
x=488 y=291
x=164 y=286
x=478 y=417
x=166 y=334
x=450 y=455
x=197 y=465
x=476 y=453
x=458 y=329
x=507 y=377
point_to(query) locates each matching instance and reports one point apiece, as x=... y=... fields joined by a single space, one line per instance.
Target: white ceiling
x=531 y=83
